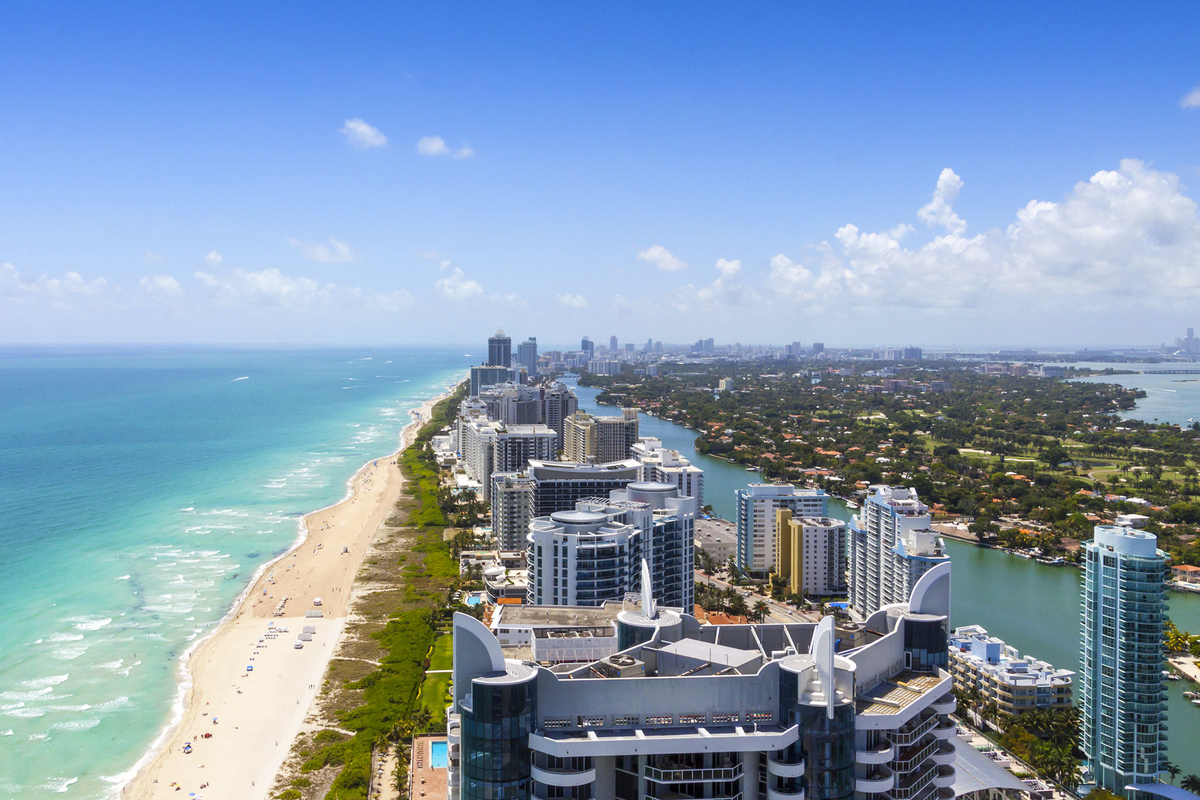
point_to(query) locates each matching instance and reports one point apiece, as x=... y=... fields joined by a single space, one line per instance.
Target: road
x=778 y=612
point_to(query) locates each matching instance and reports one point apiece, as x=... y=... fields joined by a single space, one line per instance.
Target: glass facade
x=828 y=752
x=927 y=642
x=495 y=741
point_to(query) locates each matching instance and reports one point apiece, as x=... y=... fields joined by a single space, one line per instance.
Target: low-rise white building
x=983 y=662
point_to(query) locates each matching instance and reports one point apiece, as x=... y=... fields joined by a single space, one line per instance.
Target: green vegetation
x=443 y=653
x=391 y=702
x=1034 y=462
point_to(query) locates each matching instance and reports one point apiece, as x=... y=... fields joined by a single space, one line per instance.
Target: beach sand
x=254 y=716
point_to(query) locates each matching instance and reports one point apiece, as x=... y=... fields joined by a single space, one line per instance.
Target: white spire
x=822 y=650
x=647 y=593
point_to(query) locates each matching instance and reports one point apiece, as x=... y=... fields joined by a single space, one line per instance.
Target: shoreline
x=253 y=704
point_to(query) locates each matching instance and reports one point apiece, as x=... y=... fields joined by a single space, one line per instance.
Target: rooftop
x=896 y=693
x=561 y=616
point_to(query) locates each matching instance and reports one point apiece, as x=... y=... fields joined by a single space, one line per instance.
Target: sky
x=946 y=175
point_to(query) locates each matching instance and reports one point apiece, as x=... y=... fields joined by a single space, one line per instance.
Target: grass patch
x=433 y=696
x=443 y=653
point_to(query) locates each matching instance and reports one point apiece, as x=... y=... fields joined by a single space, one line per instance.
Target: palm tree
x=760 y=610
x=1191 y=783
x=1171 y=770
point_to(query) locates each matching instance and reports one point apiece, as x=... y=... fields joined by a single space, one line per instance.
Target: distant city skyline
x=680 y=171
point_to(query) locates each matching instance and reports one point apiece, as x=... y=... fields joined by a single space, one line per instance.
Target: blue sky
x=234 y=174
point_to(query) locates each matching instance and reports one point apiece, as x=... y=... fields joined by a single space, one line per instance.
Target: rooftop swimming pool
x=437 y=755
x=474 y=600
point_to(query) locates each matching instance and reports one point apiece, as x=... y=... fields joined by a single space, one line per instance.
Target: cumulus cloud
x=161 y=284
x=572 y=300
x=1125 y=235
x=359 y=134
x=14 y=286
x=1191 y=99
x=939 y=211
x=436 y=146
x=214 y=258
x=457 y=286
x=273 y=288
x=336 y=252
x=724 y=292
x=662 y=258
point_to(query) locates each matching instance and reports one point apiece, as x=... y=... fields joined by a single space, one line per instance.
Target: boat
x=1193 y=696
x=851 y=504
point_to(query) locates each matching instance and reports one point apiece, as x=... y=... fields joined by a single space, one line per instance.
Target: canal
x=1031 y=606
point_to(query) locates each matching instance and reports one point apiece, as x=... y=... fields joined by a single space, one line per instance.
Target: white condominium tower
x=499 y=350
x=1121 y=653
x=756 y=506
x=599 y=439
x=591 y=554
x=891 y=546
x=668 y=466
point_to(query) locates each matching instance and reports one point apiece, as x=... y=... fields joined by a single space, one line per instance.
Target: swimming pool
x=437 y=754
x=474 y=600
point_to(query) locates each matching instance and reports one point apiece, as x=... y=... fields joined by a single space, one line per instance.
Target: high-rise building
x=818 y=348
x=559 y=485
x=527 y=355
x=588 y=348
x=1121 y=688
x=600 y=439
x=489 y=446
x=810 y=554
x=487 y=376
x=512 y=403
x=663 y=465
x=891 y=546
x=558 y=403
x=756 y=505
x=590 y=555
x=612 y=344
x=512 y=509
x=499 y=350
x=756 y=712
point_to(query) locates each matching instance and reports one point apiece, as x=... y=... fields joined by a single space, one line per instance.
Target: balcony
x=944 y=754
x=945 y=730
x=912 y=788
x=913 y=757
x=779 y=794
x=944 y=778
x=875 y=782
x=881 y=756
x=562 y=777
x=697 y=775
x=911 y=733
x=784 y=769
x=945 y=705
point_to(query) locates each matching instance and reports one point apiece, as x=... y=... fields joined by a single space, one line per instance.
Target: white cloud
x=273 y=288
x=728 y=268
x=722 y=294
x=510 y=299
x=1125 y=238
x=359 y=134
x=14 y=286
x=572 y=300
x=162 y=284
x=336 y=252
x=939 y=210
x=214 y=258
x=432 y=146
x=436 y=146
x=457 y=286
x=662 y=258
x=152 y=257
x=1191 y=99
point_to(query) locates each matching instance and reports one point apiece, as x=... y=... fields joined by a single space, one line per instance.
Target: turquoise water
x=1033 y=607
x=141 y=491
x=437 y=755
x=1169 y=398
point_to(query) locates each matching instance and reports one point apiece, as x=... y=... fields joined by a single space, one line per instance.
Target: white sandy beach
x=254 y=716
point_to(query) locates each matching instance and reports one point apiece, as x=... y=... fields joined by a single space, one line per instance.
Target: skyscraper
x=499 y=350
x=600 y=439
x=1121 y=653
x=527 y=355
x=890 y=547
x=612 y=344
x=587 y=347
x=756 y=505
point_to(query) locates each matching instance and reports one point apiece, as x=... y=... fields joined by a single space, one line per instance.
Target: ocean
x=141 y=489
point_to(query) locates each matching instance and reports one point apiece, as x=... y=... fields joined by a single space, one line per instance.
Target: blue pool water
x=474 y=600
x=437 y=755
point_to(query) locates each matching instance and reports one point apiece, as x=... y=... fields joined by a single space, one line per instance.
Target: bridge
x=1170 y=371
